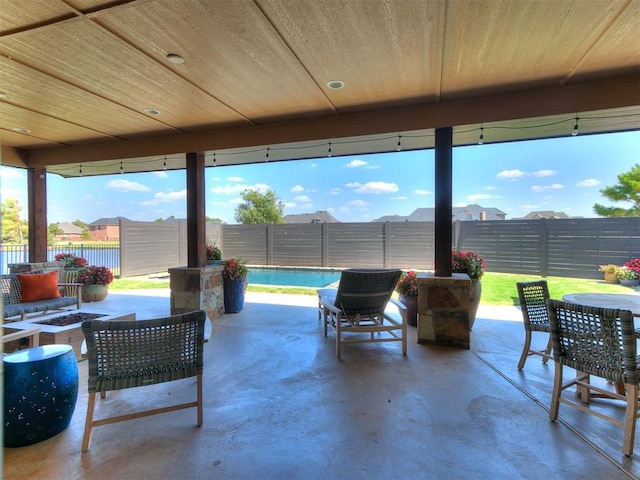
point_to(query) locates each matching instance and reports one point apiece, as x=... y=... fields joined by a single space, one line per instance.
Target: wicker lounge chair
x=599 y=342
x=356 y=309
x=125 y=354
x=533 y=297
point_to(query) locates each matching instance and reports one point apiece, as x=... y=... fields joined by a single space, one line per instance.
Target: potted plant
x=634 y=264
x=474 y=266
x=407 y=288
x=234 y=279
x=610 y=272
x=627 y=277
x=214 y=255
x=95 y=282
x=71 y=261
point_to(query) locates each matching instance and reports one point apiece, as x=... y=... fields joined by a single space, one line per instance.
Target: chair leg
x=557 y=391
x=525 y=349
x=199 y=394
x=547 y=351
x=630 y=418
x=88 y=423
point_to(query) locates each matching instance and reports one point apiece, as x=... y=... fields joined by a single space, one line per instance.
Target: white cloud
x=161 y=174
x=372 y=167
x=290 y=205
x=358 y=204
x=478 y=196
x=528 y=207
x=237 y=188
x=510 y=174
x=302 y=198
x=352 y=184
x=546 y=188
x=7 y=172
x=171 y=196
x=235 y=179
x=127 y=186
x=401 y=197
x=422 y=192
x=589 y=182
x=356 y=163
x=335 y=191
x=490 y=187
x=148 y=203
x=544 y=173
x=377 y=187
x=297 y=189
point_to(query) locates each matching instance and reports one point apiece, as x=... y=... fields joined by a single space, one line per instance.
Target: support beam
x=37 y=193
x=444 y=200
x=196 y=225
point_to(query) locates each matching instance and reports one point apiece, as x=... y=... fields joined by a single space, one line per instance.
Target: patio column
x=444 y=200
x=196 y=225
x=37 y=213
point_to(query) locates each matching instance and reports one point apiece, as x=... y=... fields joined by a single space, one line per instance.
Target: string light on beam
x=329 y=154
x=80 y=171
x=121 y=167
x=574 y=133
x=214 y=159
x=481 y=137
x=164 y=164
x=399 y=145
x=266 y=157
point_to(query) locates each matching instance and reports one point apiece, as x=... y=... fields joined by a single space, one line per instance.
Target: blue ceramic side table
x=40 y=392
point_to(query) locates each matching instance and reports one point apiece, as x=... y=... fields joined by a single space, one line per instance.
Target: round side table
x=40 y=392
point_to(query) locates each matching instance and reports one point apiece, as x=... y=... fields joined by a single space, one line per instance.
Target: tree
x=54 y=229
x=213 y=220
x=259 y=208
x=14 y=228
x=628 y=190
x=86 y=234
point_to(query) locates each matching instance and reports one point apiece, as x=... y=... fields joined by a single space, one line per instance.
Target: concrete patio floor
x=279 y=405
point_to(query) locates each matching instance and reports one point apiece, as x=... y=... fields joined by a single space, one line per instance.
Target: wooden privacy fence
x=558 y=247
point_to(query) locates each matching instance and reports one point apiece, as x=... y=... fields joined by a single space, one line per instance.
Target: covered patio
x=279 y=405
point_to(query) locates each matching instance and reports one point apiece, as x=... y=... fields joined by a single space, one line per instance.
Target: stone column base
x=197 y=289
x=443 y=310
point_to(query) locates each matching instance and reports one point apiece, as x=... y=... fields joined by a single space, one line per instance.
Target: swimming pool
x=293 y=277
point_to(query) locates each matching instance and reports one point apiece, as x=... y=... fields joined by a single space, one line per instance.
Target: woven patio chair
x=356 y=309
x=533 y=297
x=126 y=354
x=597 y=342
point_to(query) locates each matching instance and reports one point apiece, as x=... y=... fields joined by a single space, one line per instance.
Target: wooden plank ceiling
x=77 y=75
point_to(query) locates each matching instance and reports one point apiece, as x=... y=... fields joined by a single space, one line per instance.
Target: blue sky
x=564 y=174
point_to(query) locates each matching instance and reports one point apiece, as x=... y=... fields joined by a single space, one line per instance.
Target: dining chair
x=533 y=297
x=600 y=342
x=356 y=309
x=137 y=353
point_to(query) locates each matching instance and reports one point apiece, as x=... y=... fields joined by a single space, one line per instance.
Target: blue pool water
x=293 y=277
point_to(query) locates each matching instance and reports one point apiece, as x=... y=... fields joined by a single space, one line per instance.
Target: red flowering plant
x=634 y=264
x=94 y=275
x=468 y=262
x=407 y=286
x=213 y=253
x=71 y=261
x=234 y=268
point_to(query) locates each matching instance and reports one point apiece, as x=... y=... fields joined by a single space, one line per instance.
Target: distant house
x=70 y=233
x=321 y=216
x=537 y=215
x=106 y=229
x=472 y=212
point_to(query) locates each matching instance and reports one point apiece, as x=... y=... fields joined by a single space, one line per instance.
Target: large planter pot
x=412 y=309
x=94 y=293
x=629 y=283
x=610 y=277
x=474 y=300
x=234 y=294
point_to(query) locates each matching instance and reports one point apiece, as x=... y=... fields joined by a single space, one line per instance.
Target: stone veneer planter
x=197 y=288
x=66 y=334
x=443 y=310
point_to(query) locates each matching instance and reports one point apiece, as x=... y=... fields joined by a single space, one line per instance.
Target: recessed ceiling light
x=3 y=95
x=152 y=111
x=175 y=58
x=21 y=130
x=335 y=84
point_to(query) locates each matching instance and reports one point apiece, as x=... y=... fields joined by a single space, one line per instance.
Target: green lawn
x=497 y=288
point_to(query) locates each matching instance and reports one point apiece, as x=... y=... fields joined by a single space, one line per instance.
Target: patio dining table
x=608 y=300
